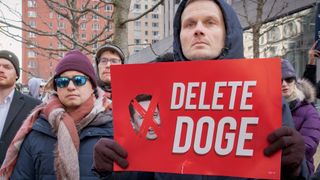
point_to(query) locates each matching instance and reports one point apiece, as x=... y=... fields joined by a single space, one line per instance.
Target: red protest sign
x=198 y=117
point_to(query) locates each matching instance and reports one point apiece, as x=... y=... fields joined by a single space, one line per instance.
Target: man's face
x=107 y=59
x=203 y=31
x=138 y=119
x=73 y=96
x=8 y=74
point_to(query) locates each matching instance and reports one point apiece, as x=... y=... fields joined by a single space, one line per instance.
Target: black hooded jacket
x=233 y=43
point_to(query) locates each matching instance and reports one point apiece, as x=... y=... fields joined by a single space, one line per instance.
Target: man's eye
x=189 y=25
x=7 y=67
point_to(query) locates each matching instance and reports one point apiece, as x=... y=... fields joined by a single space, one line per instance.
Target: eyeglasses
x=288 y=80
x=78 y=80
x=104 y=61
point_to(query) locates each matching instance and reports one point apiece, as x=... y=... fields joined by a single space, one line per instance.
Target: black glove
x=293 y=150
x=106 y=151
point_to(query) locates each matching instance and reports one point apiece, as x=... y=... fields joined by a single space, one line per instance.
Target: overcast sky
x=6 y=42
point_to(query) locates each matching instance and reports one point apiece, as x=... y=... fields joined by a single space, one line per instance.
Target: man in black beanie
x=14 y=106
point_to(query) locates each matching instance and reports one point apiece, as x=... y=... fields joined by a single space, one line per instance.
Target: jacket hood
x=233 y=42
x=34 y=87
x=307 y=91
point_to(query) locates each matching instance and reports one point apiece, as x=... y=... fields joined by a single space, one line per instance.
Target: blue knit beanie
x=287 y=69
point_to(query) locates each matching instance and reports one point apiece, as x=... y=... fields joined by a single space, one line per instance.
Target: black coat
x=21 y=106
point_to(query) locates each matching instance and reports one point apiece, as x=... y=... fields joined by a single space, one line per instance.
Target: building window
x=31 y=3
x=83 y=36
x=31 y=46
x=137 y=6
x=32 y=14
x=31 y=35
x=83 y=17
x=95 y=7
x=95 y=17
x=273 y=34
x=146 y=6
x=146 y=33
x=83 y=26
x=109 y=27
x=155 y=33
x=109 y=7
x=32 y=24
x=61 y=25
x=154 y=41
x=146 y=24
x=60 y=45
x=59 y=16
x=137 y=25
x=155 y=24
x=31 y=54
x=137 y=34
x=155 y=16
x=95 y=46
x=137 y=41
x=95 y=26
x=32 y=64
x=290 y=29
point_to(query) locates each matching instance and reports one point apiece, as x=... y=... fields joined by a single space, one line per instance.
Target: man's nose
x=108 y=64
x=199 y=29
x=71 y=86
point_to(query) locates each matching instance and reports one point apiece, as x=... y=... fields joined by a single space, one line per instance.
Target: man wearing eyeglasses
x=57 y=139
x=106 y=56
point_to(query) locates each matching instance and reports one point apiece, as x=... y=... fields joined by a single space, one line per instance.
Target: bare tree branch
x=143 y=14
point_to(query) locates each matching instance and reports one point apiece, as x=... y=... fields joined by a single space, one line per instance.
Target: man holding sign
x=207 y=29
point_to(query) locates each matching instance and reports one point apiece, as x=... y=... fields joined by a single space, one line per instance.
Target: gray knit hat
x=109 y=47
x=10 y=56
x=287 y=69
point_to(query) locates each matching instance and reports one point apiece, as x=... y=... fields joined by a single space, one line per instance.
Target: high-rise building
x=37 y=15
x=148 y=29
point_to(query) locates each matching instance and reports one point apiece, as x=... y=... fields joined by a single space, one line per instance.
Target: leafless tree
x=72 y=11
x=256 y=13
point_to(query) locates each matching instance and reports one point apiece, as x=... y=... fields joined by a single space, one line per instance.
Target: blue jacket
x=36 y=157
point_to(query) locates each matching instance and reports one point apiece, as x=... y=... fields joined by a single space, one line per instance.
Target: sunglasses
x=78 y=80
x=288 y=80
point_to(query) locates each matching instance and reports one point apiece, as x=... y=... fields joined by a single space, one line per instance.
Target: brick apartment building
x=36 y=14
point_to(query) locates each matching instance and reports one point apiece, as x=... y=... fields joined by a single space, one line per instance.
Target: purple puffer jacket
x=307 y=122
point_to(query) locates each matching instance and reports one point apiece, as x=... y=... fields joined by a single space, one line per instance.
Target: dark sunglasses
x=288 y=80
x=77 y=80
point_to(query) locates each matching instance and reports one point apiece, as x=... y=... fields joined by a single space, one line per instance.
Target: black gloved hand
x=106 y=151
x=293 y=150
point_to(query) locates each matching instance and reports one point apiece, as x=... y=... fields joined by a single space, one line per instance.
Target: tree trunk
x=120 y=36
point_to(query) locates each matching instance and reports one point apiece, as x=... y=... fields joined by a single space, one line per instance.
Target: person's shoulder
x=42 y=126
x=28 y=98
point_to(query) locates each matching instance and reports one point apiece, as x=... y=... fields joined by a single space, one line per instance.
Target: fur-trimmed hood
x=307 y=91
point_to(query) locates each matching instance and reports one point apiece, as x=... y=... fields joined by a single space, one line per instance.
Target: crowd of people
x=68 y=134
